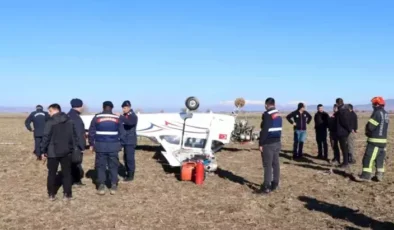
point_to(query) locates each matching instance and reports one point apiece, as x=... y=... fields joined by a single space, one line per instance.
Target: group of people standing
x=60 y=139
x=342 y=127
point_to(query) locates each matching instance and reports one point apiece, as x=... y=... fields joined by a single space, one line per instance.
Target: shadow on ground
x=92 y=174
x=225 y=174
x=232 y=149
x=285 y=154
x=345 y=213
x=164 y=163
x=327 y=169
x=148 y=148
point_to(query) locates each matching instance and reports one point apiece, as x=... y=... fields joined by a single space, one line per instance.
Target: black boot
x=129 y=177
x=325 y=151
x=320 y=151
x=295 y=150
x=300 y=148
x=351 y=159
x=274 y=186
x=79 y=183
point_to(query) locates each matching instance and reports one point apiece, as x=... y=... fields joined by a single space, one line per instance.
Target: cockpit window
x=192 y=142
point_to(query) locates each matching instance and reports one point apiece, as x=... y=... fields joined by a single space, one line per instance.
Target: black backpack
x=62 y=139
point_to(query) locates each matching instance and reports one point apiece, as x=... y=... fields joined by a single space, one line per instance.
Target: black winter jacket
x=353 y=121
x=343 y=126
x=332 y=125
x=48 y=141
x=301 y=120
x=321 y=121
x=79 y=127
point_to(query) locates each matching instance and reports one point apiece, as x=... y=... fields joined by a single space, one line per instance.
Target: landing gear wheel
x=192 y=103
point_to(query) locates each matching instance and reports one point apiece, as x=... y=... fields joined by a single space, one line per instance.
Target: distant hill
x=10 y=109
x=203 y=108
x=367 y=107
x=363 y=107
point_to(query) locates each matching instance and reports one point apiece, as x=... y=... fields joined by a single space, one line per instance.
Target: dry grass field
x=309 y=196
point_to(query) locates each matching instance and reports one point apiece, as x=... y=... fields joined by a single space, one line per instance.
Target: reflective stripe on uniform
x=372 y=160
x=272 y=111
x=380 y=170
x=377 y=140
x=107 y=115
x=106 y=133
x=372 y=121
x=274 y=129
x=39 y=114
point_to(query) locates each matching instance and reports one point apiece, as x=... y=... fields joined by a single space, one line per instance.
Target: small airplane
x=190 y=135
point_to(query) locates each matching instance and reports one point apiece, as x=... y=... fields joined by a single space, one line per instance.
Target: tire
x=192 y=103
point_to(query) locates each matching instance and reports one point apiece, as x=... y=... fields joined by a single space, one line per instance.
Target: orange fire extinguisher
x=199 y=173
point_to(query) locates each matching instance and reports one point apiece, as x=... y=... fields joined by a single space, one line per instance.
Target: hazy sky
x=156 y=53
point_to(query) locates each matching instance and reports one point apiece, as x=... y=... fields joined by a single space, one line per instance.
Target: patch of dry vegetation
x=309 y=197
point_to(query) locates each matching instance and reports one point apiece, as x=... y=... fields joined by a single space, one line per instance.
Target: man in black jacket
x=38 y=117
x=343 y=130
x=74 y=114
x=299 y=118
x=321 y=126
x=354 y=125
x=332 y=126
x=58 y=142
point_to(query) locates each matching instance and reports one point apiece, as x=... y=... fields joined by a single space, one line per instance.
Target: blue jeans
x=299 y=139
x=102 y=160
x=129 y=158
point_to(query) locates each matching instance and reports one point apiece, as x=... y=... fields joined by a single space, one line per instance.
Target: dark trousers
x=37 y=146
x=343 y=144
x=102 y=160
x=335 y=147
x=129 y=158
x=374 y=156
x=271 y=164
x=321 y=140
x=77 y=172
x=65 y=164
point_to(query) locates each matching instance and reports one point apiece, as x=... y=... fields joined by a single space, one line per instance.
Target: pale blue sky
x=156 y=53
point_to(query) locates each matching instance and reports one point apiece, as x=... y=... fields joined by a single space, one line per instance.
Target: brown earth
x=309 y=197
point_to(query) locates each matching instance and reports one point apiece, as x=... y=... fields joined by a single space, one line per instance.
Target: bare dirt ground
x=309 y=197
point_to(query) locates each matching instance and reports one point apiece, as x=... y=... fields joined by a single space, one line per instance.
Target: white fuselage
x=205 y=133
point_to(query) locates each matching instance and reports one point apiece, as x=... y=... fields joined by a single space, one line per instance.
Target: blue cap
x=108 y=103
x=76 y=103
x=126 y=103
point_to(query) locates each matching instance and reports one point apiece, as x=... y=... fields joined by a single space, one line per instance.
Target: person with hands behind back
x=353 y=119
